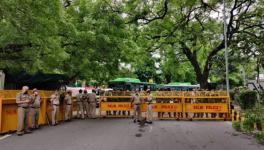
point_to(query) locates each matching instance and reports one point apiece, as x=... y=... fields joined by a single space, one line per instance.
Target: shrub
x=237 y=126
x=261 y=97
x=248 y=125
x=260 y=137
x=247 y=99
x=250 y=119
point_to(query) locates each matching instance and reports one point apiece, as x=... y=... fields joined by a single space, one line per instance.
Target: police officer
x=85 y=98
x=149 y=107
x=92 y=104
x=23 y=99
x=55 y=102
x=80 y=104
x=136 y=102
x=68 y=106
x=34 y=109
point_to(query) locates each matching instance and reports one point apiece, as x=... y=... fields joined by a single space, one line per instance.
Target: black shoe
x=135 y=121
x=19 y=134
x=149 y=122
x=28 y=132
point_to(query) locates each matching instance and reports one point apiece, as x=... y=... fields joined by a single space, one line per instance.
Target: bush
x=250 y=119
x=261 y=97
x=248 y=126
x=237 y=126
x=247 y=99
x=260 y=137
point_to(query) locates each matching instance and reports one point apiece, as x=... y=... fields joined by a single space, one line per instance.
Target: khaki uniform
x=55 y=102
x=34 y=109
x=79 y=106
x=85 y=98
x=137 y=110
x=22 y=112
x=68 y=102
x=92 y=105
x=149 y=108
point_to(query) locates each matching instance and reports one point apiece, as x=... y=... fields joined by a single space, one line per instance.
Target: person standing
x=149 y=107
x=85 y=99
x=68 y=106
x=23 y=99
x=34 y=109
x=55 y=102
x=79 y=99
x=92 y=104
x=137 y=111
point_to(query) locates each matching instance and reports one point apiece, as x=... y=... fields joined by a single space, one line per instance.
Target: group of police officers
x=137 y=101
x=29 y=106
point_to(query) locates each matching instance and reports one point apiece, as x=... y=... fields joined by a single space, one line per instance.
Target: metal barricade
x=8 y=109
x=198 y=105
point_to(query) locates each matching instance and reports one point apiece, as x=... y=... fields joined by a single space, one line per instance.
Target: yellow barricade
x=206 y=108
x=8 y=109
x=126 y=106
x=199 y=105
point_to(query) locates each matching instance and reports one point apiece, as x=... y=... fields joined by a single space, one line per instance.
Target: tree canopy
x=165 y=40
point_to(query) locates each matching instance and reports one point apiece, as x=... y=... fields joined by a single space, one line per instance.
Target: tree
x=29 y=32
x=194 y=27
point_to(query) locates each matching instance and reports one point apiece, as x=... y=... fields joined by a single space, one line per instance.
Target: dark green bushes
x=248 y=99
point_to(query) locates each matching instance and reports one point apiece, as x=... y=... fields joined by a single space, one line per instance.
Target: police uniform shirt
x=36 y=101
x=22 y=97
x=55 y=100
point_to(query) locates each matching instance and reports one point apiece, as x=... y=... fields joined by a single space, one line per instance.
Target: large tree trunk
x=202 y=79
x=201 y=74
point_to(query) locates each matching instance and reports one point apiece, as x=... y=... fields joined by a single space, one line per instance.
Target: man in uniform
x=85 y=98
x=136 y=102
x=68 y=106
x=23 y=99
x=79 y=105
x=34 y=109
x=92 y=104
x=55 y=102
x=149 y=107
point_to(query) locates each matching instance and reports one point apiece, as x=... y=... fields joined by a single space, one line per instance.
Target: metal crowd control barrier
x=202 y=105
x=8 y=110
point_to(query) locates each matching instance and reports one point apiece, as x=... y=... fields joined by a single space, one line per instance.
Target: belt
x=68 y=104
x=34 y=107
x=23 y=107
x=56 y=104
x=136 y=104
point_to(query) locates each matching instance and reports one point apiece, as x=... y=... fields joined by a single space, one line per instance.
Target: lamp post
x=226 y=52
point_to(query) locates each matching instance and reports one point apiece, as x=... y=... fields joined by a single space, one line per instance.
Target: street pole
x=226 y=52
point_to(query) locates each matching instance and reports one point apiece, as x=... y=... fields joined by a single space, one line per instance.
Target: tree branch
x=12 y=48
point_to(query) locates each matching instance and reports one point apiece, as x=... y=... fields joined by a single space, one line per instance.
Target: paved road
x=122 y=134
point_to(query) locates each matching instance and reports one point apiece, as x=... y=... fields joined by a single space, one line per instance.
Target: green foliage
x=251 y=117
x=248 y=126
x=247 y=99
x=260 y=137
x=261 y=96
x=99 y=40
x=236 y=125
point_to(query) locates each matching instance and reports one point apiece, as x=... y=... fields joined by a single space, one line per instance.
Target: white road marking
x=5 y=136
x=150 y=128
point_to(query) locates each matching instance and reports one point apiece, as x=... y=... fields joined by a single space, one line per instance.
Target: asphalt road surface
x=123 y=134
